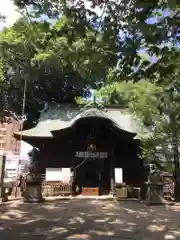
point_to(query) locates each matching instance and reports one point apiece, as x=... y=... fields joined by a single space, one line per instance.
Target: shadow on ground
x=88 y=219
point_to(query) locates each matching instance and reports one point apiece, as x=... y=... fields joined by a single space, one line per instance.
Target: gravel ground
x=88 y=219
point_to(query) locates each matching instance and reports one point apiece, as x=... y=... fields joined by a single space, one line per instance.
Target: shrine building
x=90 y=141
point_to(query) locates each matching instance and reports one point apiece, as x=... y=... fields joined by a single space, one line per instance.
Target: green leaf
x=61 y=23
x=172 y=4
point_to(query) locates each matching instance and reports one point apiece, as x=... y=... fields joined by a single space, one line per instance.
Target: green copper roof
x=64 y=116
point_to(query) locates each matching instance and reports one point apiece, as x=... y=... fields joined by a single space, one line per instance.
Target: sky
x=9 y=11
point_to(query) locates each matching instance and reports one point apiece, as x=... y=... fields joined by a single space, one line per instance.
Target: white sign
x=66 y=175
x=118 y=175
x=53 y=174
x=58 y=174
x=91 y=154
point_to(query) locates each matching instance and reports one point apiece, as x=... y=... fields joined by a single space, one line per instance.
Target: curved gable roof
x=64 y=116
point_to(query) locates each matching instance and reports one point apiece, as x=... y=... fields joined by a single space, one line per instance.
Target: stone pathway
x=88 y=219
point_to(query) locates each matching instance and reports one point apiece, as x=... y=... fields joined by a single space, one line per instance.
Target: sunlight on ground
x=28 y=221
x=102 y=220
x=17 y=214
x=169 y=237
x=117 y=221
x=155 y=228
x=76 y=220
x=88 y=220
x=160 y=220
x=79 y=236
x=58 y=230
x=101 y=233
x=172 y=235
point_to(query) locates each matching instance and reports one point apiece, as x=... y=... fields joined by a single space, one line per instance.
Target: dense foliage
x=58 y=62
x=64 y=48
x=156 y=103
x=135 y=25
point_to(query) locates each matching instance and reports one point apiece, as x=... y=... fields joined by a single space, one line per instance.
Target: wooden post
x=112 y=180
x=2 y=174
x=73 y=192
x=73 y=171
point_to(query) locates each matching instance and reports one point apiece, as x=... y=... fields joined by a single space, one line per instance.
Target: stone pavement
x=88 y=219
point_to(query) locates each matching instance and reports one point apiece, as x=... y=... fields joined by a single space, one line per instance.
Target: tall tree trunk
x=175 y=150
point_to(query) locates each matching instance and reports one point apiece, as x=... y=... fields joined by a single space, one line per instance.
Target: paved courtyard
x=88 y=219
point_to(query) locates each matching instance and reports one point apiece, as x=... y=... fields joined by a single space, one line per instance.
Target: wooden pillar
x=73 y=186
x=73 y=171
x=2 y=174
x=112 y=180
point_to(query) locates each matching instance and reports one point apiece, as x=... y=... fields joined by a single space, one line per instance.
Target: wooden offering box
x=87 y=191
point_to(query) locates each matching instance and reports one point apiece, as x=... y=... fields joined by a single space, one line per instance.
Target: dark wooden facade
x=122 y=150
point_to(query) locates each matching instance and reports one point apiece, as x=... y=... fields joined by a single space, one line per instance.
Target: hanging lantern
x=91 y=145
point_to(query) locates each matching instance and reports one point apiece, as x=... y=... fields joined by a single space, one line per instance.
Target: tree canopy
x=156 y=103
x=62 y=49
x=58 y=62
x=135 y=25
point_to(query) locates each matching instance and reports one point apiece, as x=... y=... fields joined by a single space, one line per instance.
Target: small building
x=9 y=145
x=92 y=142
x=8 y=125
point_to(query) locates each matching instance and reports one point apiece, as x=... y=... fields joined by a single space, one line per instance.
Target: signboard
x=118 y=175
x=58 y=174
x=53 y=174
x=91 y=154
x=66 y=175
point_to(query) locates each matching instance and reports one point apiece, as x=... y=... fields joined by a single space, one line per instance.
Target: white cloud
x=9 y=11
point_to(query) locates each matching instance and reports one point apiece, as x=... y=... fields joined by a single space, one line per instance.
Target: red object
x=86 y=191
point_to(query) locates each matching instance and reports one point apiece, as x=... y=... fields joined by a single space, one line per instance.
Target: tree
x=170 y=108
x=156 y=103
x=2 y=18
x=116 y=30
x=58 y=62
x=134 y=24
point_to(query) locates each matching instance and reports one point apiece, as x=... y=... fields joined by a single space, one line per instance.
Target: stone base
x=3 y=199
x=154 y=196
x=33 y=200
x=160 y=201
x=121 y=193
x=33 y=194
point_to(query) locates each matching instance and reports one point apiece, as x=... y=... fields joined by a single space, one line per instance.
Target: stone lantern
x=154 y=193
x=33 y=181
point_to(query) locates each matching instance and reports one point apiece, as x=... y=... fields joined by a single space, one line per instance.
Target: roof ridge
x=92 y=109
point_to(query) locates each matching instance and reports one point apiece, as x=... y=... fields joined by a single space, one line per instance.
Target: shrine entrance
x=92 y=173
x=94 y=142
